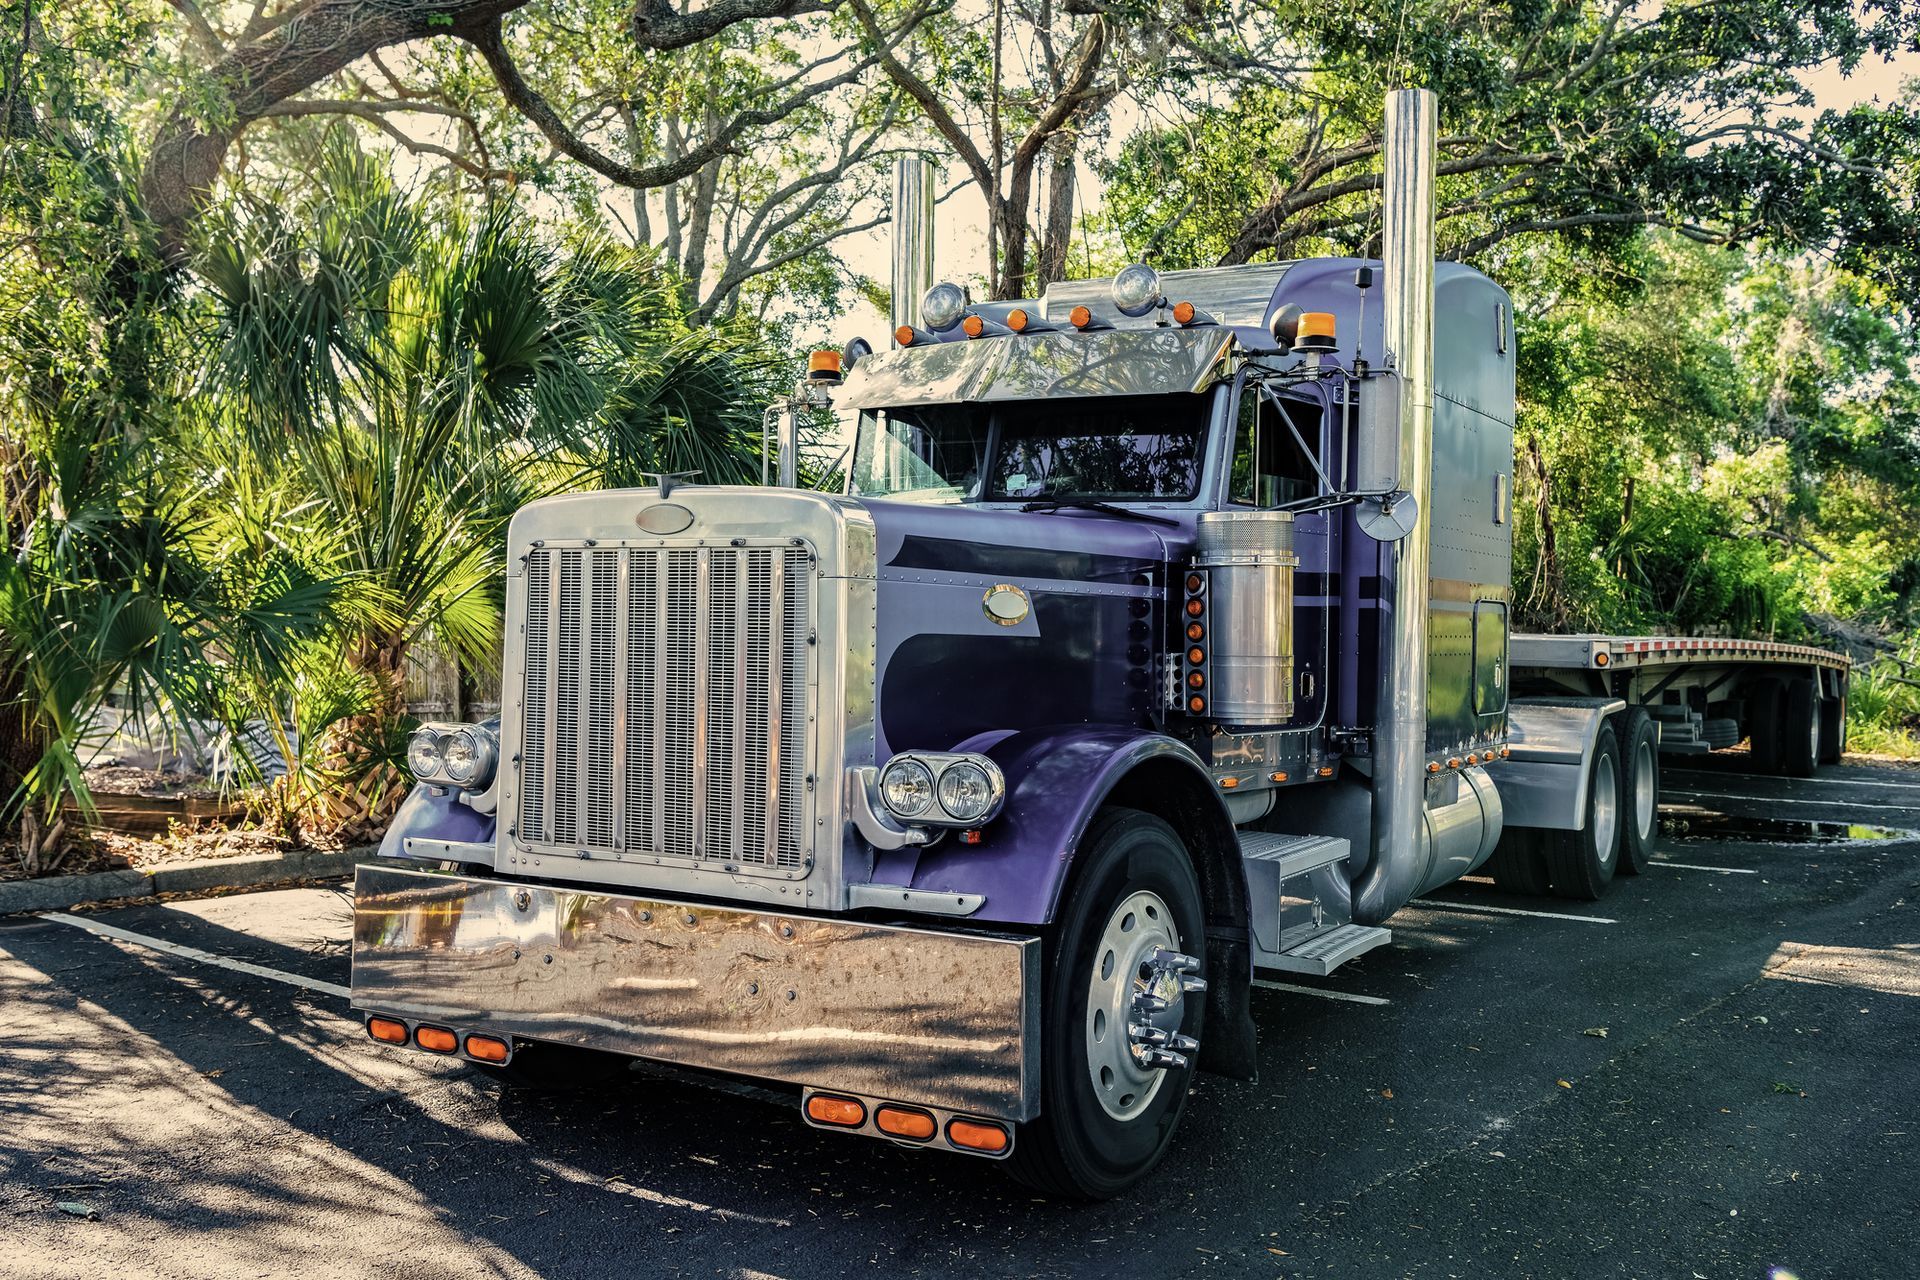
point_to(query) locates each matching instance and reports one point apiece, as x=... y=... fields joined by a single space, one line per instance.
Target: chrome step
x=1327 y=950
x=1296 y=855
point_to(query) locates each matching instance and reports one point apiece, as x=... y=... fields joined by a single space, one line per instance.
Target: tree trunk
x=1057 y=232
x=325 y=38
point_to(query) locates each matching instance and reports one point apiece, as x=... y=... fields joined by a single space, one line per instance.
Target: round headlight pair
x=462 y=755
x=949 y=789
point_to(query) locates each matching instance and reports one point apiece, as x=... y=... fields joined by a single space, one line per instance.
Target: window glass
x=1284 y=471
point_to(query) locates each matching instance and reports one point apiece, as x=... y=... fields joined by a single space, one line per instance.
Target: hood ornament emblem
x=1006 y=604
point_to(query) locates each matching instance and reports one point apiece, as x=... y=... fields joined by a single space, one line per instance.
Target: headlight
x=966 y=791
x=907 y=788
x=460 y=755
x=423 y=754
x=944 y=788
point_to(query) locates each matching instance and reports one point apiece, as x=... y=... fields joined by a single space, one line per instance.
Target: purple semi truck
x=1159 y=639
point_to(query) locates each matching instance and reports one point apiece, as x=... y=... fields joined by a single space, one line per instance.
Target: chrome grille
x=673 y=723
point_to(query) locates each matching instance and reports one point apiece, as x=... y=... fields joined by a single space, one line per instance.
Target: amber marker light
x=1196 y=656
x=487 y=1048
x=975 y=1135
x=1080 y=317
x=899 y=1122
x=1315 y=332
x=1195 y=608
x=831 y=1108
x=1195 y=631
x=1195 y=680
x=436 y=1039
x=1601 y=659
x=904 y=335
x=387 y=1031
x=1433 y=767
x=1183 y=313
x=1453 y=762
x=1229 y=783
x=1278 y=775
x=1018 y=320
x=1326 y=771
x=1196 y=704
x=973 y=326
x=1194 y=583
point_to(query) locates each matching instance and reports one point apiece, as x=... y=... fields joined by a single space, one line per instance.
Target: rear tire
x=1517 y=864
x=1766 y=727
x=1800 y=745
x=1581 y=863
x=1092 y=1141
x=1639 y=790
x=1833 y=730
x=540 y=1067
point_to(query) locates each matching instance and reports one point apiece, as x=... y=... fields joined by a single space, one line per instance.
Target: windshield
x=1144 y=448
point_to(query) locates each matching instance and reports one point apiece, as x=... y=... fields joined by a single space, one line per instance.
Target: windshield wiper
x=1094 y=504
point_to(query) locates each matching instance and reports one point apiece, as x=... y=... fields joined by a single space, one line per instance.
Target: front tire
x=1106 y=1119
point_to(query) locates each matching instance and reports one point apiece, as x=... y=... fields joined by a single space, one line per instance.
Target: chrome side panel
x=695 y=801
x=938 y=1019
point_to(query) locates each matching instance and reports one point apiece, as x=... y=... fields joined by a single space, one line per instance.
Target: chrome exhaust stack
x=1401 y=852
x=912 y=237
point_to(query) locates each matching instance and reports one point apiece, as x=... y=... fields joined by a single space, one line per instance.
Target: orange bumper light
x=831 y=1108
x=436 y=1039
x=899 y=1122
x=387 y=1030
x=976 y=1135
x=487 y=1049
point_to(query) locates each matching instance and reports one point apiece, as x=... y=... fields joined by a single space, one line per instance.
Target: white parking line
x=1828 y=804
x=1348 y=996
x=194 y=953
x=1694 y=866
x=1509 y=911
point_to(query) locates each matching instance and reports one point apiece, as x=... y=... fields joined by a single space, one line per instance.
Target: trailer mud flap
x=948 y=1020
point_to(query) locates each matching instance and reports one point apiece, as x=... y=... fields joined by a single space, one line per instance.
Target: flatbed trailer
x=1706 y=693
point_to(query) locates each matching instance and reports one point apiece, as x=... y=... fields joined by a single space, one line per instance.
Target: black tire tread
x=1573 y=864
x=1636 y=855
x=1038 y=1160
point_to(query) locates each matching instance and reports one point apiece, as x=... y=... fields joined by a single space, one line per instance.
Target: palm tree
x=423 y=373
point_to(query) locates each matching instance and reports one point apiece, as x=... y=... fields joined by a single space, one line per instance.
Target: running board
x=1327 y=950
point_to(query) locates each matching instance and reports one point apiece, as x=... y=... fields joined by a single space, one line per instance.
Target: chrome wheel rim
x=1606 y=810
x=1140 y=927
x=1646 y=790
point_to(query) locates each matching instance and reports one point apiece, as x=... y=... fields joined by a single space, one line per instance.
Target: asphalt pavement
x=1710 y=1073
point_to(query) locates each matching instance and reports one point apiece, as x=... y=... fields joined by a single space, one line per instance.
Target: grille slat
x=665 y=703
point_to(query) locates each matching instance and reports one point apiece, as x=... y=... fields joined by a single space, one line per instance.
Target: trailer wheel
x=1766 y=730
x=1581 y=863
x=540 y=1067
x=1639 y=790
x=1517 y=864
x=1833 y=730
x=1107 y=1116
x=1800 y=744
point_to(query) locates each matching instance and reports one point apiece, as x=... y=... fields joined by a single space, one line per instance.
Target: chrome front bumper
x=943 y=1020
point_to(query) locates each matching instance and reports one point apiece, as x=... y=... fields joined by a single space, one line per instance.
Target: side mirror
x=1376 y=446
